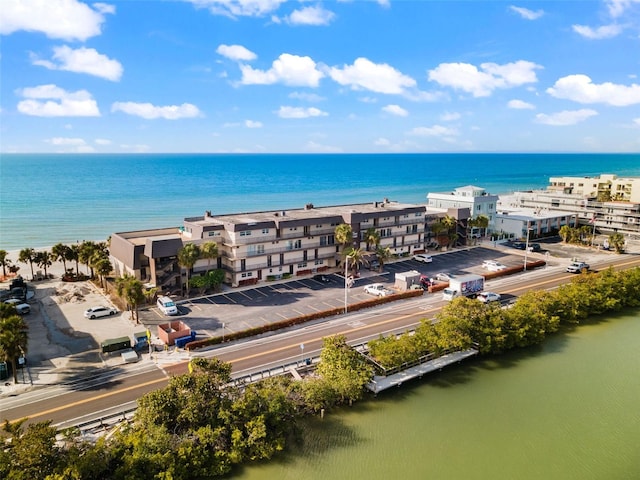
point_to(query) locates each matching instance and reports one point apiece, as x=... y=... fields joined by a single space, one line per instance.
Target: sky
x=360 y=76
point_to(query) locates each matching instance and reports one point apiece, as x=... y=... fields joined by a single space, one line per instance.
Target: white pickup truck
x=378 y=289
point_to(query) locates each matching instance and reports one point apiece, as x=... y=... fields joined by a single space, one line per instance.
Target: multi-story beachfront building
x=607 y=216
x=603 y=188
x=257 y=246
x=476 y=199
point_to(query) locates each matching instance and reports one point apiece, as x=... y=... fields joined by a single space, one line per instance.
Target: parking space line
x=244 y=295
x=313 y=308
x=229 y=298
x=259 y=290
x=280 y=315
x=297 y=311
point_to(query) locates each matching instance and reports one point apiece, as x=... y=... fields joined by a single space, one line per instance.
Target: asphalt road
x=65 y=402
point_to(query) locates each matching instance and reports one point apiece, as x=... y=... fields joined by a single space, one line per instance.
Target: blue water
x=46 y=199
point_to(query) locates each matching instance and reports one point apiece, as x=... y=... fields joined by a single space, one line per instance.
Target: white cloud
x=52 y=101
x=288 y=69
x=298 y=112
x=637 y=121
x=239 y=8
x=364 y=74
x=83 y=60
x=395 y=110
x=605 y=31
x=307 y=97
x=236 y=52
x=65 y=19
x=520 y=105
x=618 y=7
x=65 y=141
x=481 y=83
x=102 y=141
x=151 y=112
x=382 y=142
x=434 y=131
x=105 y=8
x=252 y=124
x=450 y=116
x=579 y=88
x=70 y=145
x=566 y=117
x=310 y=16
x=526 y=13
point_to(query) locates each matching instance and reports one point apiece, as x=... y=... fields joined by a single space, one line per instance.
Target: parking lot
x=235 y=310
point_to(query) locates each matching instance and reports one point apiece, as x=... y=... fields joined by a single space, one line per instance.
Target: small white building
x=539 y=223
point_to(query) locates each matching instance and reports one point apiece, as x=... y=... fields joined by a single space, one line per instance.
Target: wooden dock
x=380 y=383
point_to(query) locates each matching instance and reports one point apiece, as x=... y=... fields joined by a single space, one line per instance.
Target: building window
x=214 y=234
x=302 y=265
x=247 y=274
x=245 y=233
x=265 y=231
x=319 y=262
x=293 y=229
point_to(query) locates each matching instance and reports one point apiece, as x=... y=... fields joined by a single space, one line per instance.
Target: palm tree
x=616 y=240
x=27 y=255
x=86 y=251
x=450 y=224
x=565 y=233
x=372 y=237
x=103 y=267
x=61 y=252
x=344 y=235
x=438 y=228
x=44 y=260
x=187 y=258
x=13 y=339
x=4 y=261
x=383 y=254
x=209 y=250
x=353 y=258
x=130 y=289
x=74 y=255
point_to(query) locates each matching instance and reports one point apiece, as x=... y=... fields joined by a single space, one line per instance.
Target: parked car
x=493 y=266
x=423 y=258
x=518 y=245
x=167 y=306
x=374 y=265
x=377 y=289
x=322 y=278
x=443 y=277
x=488 y=297
x=21 y=307
x=99 y=311
x=534 y=247
x=577 y=267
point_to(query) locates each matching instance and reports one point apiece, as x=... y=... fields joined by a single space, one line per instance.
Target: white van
x=167 y=306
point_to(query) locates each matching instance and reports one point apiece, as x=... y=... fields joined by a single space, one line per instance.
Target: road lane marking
x=91 y=399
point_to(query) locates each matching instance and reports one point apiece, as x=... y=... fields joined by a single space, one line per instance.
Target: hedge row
x=290 y=322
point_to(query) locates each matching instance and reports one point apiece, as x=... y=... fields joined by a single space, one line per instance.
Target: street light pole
x=346 y=283
x=526 y=248
x=223 y=325
x=302 y=352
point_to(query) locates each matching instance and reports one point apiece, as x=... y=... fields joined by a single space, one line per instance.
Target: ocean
x=50 y=198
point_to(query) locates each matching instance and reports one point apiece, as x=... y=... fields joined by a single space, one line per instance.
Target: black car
x=322 y=278
x=519 y=245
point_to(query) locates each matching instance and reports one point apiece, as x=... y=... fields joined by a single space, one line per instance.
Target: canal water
x=569 y=409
